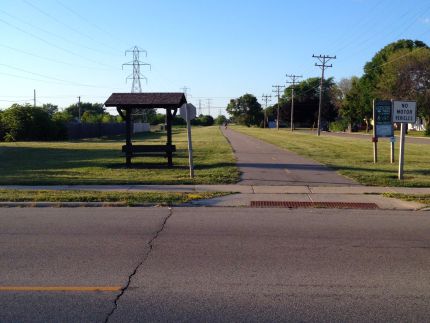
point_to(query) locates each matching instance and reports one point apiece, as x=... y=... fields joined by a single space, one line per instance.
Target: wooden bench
x=149 y=150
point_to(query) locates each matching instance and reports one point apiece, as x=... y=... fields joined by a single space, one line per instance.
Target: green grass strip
x=419 y=198
x=127 y=198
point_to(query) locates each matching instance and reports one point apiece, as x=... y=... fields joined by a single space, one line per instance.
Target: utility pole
x=200 y=107
x=34 y=97
x=324 y=59
x=293 y=83
x=277 y=89
x=79 y=108
x=209 y=106
x=136 y=63
x=185 y=90
x=266 y=98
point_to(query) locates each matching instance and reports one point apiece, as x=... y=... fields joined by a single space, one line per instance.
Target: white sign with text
x=404 y=111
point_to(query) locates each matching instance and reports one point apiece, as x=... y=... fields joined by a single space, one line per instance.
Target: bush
x=427 y=131
x=220 y=120
x=2 y=127
x=339 y=125
x=30 y=123
x=203 y=121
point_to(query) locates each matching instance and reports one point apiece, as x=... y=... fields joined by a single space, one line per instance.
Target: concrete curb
x=62 y=204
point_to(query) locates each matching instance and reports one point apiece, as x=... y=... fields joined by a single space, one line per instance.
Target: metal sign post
x=392 y=142
x=188 y=112
x=404 y=112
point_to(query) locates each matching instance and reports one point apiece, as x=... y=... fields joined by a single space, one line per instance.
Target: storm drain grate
x=328 y=205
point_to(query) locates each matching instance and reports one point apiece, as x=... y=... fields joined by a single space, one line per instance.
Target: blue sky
x=219 y=49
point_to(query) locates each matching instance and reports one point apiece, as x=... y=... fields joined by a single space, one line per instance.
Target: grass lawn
x=99 y=161
x=126 y=198
x=353 y=158
x=420 y=198
x=411 y=133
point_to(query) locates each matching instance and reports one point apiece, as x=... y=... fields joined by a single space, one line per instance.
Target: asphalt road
x=215 y=264
x=261 y=163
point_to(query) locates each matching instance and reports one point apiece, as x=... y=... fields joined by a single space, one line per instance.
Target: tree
x=374 y=68
x=25 y=122
x=407 y=77
x=92 y=108
x=306 y=98
x=352 y=107
x=246 y=110
x=220 y=120
x=50 y=108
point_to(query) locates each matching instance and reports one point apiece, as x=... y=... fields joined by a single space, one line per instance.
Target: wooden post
x=128 y=145
x=169 y=137
x=374 y=138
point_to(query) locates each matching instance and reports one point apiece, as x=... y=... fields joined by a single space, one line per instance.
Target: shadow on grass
x=121 y=138
x=143 y=165
x=22 y=161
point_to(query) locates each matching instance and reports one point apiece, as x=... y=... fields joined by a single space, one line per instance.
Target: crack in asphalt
x=145 y=257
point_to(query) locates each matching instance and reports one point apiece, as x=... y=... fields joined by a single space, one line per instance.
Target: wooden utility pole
x=293 y=83
x=277 y=89
x=266 y=98
x=79 y=108
x=324 y=60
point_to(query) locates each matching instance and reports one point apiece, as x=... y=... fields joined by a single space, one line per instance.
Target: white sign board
x=404 y=111
x=192 y=111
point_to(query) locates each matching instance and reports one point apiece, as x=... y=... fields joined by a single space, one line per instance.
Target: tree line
x=400 y=70
x=47 y=122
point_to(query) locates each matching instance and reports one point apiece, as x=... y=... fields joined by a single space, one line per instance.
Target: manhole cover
x=328 y=205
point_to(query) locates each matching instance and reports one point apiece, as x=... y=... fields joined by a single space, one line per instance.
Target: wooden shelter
x=126 y=102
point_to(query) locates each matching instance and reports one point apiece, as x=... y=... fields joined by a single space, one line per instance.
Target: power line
x=51 y=44
x=66 y=25
x=53 y=60
x=136 y=63
x=266 y=98
x=50 y=77
x=84 y=19
x=324 y=59
x=277 y=89
x=293 y=83
x=58 y=36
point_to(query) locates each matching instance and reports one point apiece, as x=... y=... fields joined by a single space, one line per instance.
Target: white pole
x=190 y=144
x=402 y=149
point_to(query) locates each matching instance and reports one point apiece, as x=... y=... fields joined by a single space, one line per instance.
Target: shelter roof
x=166 y=100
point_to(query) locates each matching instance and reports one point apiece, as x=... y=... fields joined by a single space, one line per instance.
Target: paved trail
x=262 y=163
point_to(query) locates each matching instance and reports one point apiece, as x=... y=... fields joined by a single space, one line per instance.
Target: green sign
x=382 y=118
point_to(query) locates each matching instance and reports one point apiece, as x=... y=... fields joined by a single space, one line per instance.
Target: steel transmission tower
x=136 y=63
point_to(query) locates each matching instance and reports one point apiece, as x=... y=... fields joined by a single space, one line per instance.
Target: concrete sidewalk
x=247 y=193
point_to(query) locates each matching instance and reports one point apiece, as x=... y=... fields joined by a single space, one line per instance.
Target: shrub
x=220 y=120
x=30 y=123
x=339 y=125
